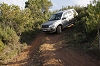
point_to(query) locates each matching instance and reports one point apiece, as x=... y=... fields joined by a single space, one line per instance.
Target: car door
x=70 y=17
x=65 y=19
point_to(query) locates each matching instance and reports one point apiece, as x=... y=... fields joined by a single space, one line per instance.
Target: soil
x=50 y=50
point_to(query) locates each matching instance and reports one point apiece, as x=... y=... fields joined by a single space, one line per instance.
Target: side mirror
x=63 y=18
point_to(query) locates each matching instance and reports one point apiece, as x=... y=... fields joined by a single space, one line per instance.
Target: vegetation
x=86 y=32
x=88 y=23
x=18 y=27
x=86 y=29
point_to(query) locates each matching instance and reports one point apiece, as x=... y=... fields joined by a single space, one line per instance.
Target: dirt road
x=52 y=51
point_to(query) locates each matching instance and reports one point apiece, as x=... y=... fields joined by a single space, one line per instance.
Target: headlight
x=51 y=26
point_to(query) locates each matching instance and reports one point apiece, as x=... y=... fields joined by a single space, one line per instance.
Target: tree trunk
x=99 y=32
x=99 y=37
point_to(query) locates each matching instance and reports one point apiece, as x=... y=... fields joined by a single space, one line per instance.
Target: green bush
x=85 y=34
x=18 y=27
x=1 y=46
x=9 y=36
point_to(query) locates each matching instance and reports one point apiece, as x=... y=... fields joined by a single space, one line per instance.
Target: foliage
x=39 y=10
x=18 y=27
x=1 y=46
x=15 y=18
x=85 y=29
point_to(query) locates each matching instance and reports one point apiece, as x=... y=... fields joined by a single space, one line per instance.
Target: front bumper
x=48 y=29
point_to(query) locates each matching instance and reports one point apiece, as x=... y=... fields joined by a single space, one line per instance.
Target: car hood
x=50 y=22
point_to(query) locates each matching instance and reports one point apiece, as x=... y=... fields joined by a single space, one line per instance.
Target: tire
x=59 y=30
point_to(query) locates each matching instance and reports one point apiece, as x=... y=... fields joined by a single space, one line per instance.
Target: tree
x=97 y=8
x=13 y=22
x=38 y=6
x=93 y=20
x=39 y=10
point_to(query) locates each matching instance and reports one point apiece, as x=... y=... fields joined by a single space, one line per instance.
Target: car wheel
x=59 y=30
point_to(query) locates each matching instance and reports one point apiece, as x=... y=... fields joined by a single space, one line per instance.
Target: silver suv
x=59 y=20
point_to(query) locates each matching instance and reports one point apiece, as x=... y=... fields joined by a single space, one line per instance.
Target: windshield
x=55 y=16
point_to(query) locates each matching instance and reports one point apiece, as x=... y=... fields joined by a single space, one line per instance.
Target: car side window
x=65 y=15
x=69 y=13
